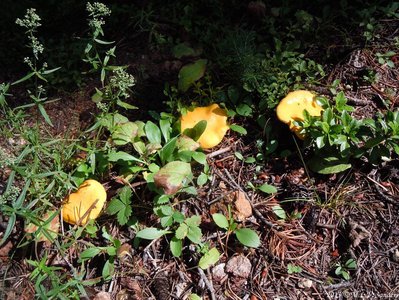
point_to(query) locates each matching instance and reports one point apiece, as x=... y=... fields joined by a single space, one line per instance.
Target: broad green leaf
x=89 y=253
x=151 y=233
x=196 y=132
x=166 y=128
x=209 y=259
x=172 y=176
x=193 y=221
x=267 y=188
x=279 y=212
x=181 y=50
x=125 y=105
x=124 y=133
x=185 y=143
x=328 y=165
x=238 y=128
x=248 y=237
x=120 y=155
x=176 y=246
x=199 y=157
x=108 y=270
x=167 y=152
x=194 y=297
x=194 y=234
x=181 y=231
x=153 y=133
x=244 y=109
x=190 y=74
x=202 y=179
x=221 y=221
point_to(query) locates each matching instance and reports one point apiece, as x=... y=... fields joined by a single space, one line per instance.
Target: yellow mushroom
x=216 y=126
x=85 y=204
x=291 y=109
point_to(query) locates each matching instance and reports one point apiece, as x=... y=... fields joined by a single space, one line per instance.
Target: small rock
x=243 y=206
x=218 y=273
x=395 y=255
x=239 y=266
x=305 y=283
x=102 y=296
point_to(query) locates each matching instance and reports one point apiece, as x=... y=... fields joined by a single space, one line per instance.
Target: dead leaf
x=171 y=176
x=218 y=273
x=243 y=206
x=52 y=228
x=239 y=266
x=5 y=250
x=102 y=296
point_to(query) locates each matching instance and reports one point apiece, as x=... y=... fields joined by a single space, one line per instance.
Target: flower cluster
x=97 y=11
x=31 y=20
x=121 y=81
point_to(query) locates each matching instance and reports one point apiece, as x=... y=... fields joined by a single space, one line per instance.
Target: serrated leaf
x=194 y=234
x=209 y=259
x=172 y=176
x=220 y=220
x=248 y=237
x=190 y=74
x=267 y=188
x=151 y=233
x=181 y=231
x=193 y=221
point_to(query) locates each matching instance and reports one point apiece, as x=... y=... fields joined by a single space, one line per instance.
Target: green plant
x=336 y=136
x=344 y=269
x=293 y=269
x=246 y=236
x=385 y=58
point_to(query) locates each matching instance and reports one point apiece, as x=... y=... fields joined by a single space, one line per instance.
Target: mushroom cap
x=216 y=126
x=84 y=204
x=291 y=108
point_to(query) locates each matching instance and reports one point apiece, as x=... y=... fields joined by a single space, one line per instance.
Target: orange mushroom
x=216 y=126
x=85 y=204
x=291 y=109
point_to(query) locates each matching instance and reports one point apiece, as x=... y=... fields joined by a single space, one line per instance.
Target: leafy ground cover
x=262 y=215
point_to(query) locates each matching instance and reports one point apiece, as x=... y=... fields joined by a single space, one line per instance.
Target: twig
x=337 y=286
x=218 y=152
x=208 y=283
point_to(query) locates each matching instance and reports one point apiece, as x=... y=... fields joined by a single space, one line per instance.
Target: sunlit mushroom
x=85 y=204
x=216 y=127
x=291 y=109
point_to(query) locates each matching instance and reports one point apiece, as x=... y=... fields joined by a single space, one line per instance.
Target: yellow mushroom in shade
x=85 y=204
x=291 y=109
x=216 y=126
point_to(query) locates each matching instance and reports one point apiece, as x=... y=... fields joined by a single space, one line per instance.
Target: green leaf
x=124 y=133
x=202 y=179
x=181 y=50
x=194 y=234
x=209 y=259
x=151 y=233
x=193 y=221
x=153 y=133
x=172 y=176
x=267 y=188
x=176 y=246
x=44 y=114
x=194 y=297
x=185 y=143
x=181 y=231
x=190 y=74
x=165 y=127
x=108 y=270
x=125 y=105
x=166 y=154
x=351 y=264
x=279 y=212
x=244 y=109
x=199 y=157
x=238 y=128
x=328 y=165
x=248 y=237
x=120 y=155
x=221 y=221
x=89 y=253
x=292 y=269
x=196 y=132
